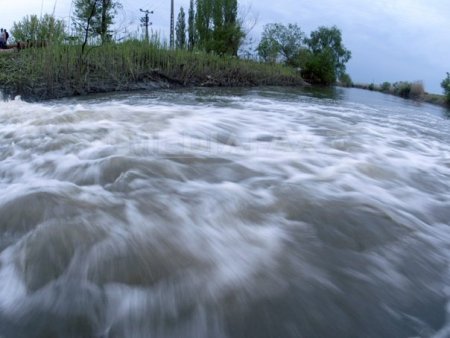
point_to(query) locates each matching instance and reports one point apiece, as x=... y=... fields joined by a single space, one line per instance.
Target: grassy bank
x=407 y=90
x=62 y=71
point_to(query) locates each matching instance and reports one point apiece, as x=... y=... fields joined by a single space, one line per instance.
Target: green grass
x=58 y=71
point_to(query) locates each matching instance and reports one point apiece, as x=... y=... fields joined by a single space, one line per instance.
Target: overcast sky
x=390 y=40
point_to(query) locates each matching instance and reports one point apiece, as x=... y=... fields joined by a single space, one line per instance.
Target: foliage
x=181 y=30
x=417 y=90
x=31 y=28
x=280 y=42
x=385 y=87
x=218 y=28
x=345 y=80
x=445 y=84
x=191 y=26
x=402 y=89
x=409 y=90
x=93 y=18
x=329 y=40
x=321 y=57
x=318 y=67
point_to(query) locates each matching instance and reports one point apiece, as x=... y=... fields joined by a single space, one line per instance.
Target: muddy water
x=234 y=213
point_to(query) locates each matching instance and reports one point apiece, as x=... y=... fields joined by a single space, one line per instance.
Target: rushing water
x=232 y=213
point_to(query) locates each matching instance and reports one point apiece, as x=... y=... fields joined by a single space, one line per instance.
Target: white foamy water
x=234 y=213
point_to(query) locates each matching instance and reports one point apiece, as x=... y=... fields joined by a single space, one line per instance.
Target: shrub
x=445 y=84
x=346 y=80
x=402 y=89
x=386 y=87
x=417 y=90
x=319 y=68
x=32 y=28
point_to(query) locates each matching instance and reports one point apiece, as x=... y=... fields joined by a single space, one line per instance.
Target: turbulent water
x=233 y=213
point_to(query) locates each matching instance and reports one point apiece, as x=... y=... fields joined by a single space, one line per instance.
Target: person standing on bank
x=6 y=37
x=2 y=39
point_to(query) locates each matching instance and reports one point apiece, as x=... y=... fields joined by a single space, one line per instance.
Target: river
x=271 y=212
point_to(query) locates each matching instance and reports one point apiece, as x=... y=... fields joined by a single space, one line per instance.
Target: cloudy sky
x=391 y=40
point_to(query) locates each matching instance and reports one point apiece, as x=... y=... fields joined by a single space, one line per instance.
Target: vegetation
x=191 y=26
x=181 y=30
x=445 y=84
x=407 y=90
x=218 y=29
x=345 y=80
x=321 y=57
x=327 y=42
x=206 y=54
x=58 y=71
x=32 y=28
x=93 y=18
x=280 y=43
x=386 y=87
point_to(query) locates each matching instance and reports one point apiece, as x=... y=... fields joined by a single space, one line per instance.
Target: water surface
x=273 y=212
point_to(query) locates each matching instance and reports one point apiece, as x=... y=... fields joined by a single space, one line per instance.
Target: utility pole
x=172 y=28
x=146 y=21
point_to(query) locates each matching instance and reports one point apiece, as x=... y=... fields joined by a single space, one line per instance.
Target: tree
x=191 y=26
x=445 y=84
x=346 y=80
x=94 y=17
x=280 y=43
x=217 y=26
x=181 y=30
x=317 y=67
x=329 y=41
x=32 y=28
x=203 y=23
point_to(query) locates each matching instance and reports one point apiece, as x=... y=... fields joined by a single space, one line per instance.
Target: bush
x=409 y=90
x=402 y=89
x=445 y=84
x=386 y=87
x=371 y=86
x=345 y=80
x=319 y=68
x=32 y=28
x=417 y=90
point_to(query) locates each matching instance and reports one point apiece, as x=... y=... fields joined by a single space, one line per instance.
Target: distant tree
x=345 y=80
x=93 y=18
x=218 y=27
x=281 y=43
x=191 y=26
x=385 y=87
x=203 y=23
x=445 y=84
x=329 y=41
x=32 y=28
x=181 y=30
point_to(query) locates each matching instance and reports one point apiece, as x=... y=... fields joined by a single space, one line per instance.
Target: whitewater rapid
x=233 y=213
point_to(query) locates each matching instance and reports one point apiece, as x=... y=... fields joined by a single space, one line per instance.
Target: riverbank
x=62 y=71
x=407 y=90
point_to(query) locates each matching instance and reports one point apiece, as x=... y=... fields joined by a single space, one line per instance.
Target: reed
x=61 y=70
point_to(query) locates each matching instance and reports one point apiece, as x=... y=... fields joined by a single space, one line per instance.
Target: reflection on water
x=225 y=213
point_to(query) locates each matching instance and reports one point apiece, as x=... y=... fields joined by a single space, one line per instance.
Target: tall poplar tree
x=181 y=30
x=218 y=27
x=191 y=26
